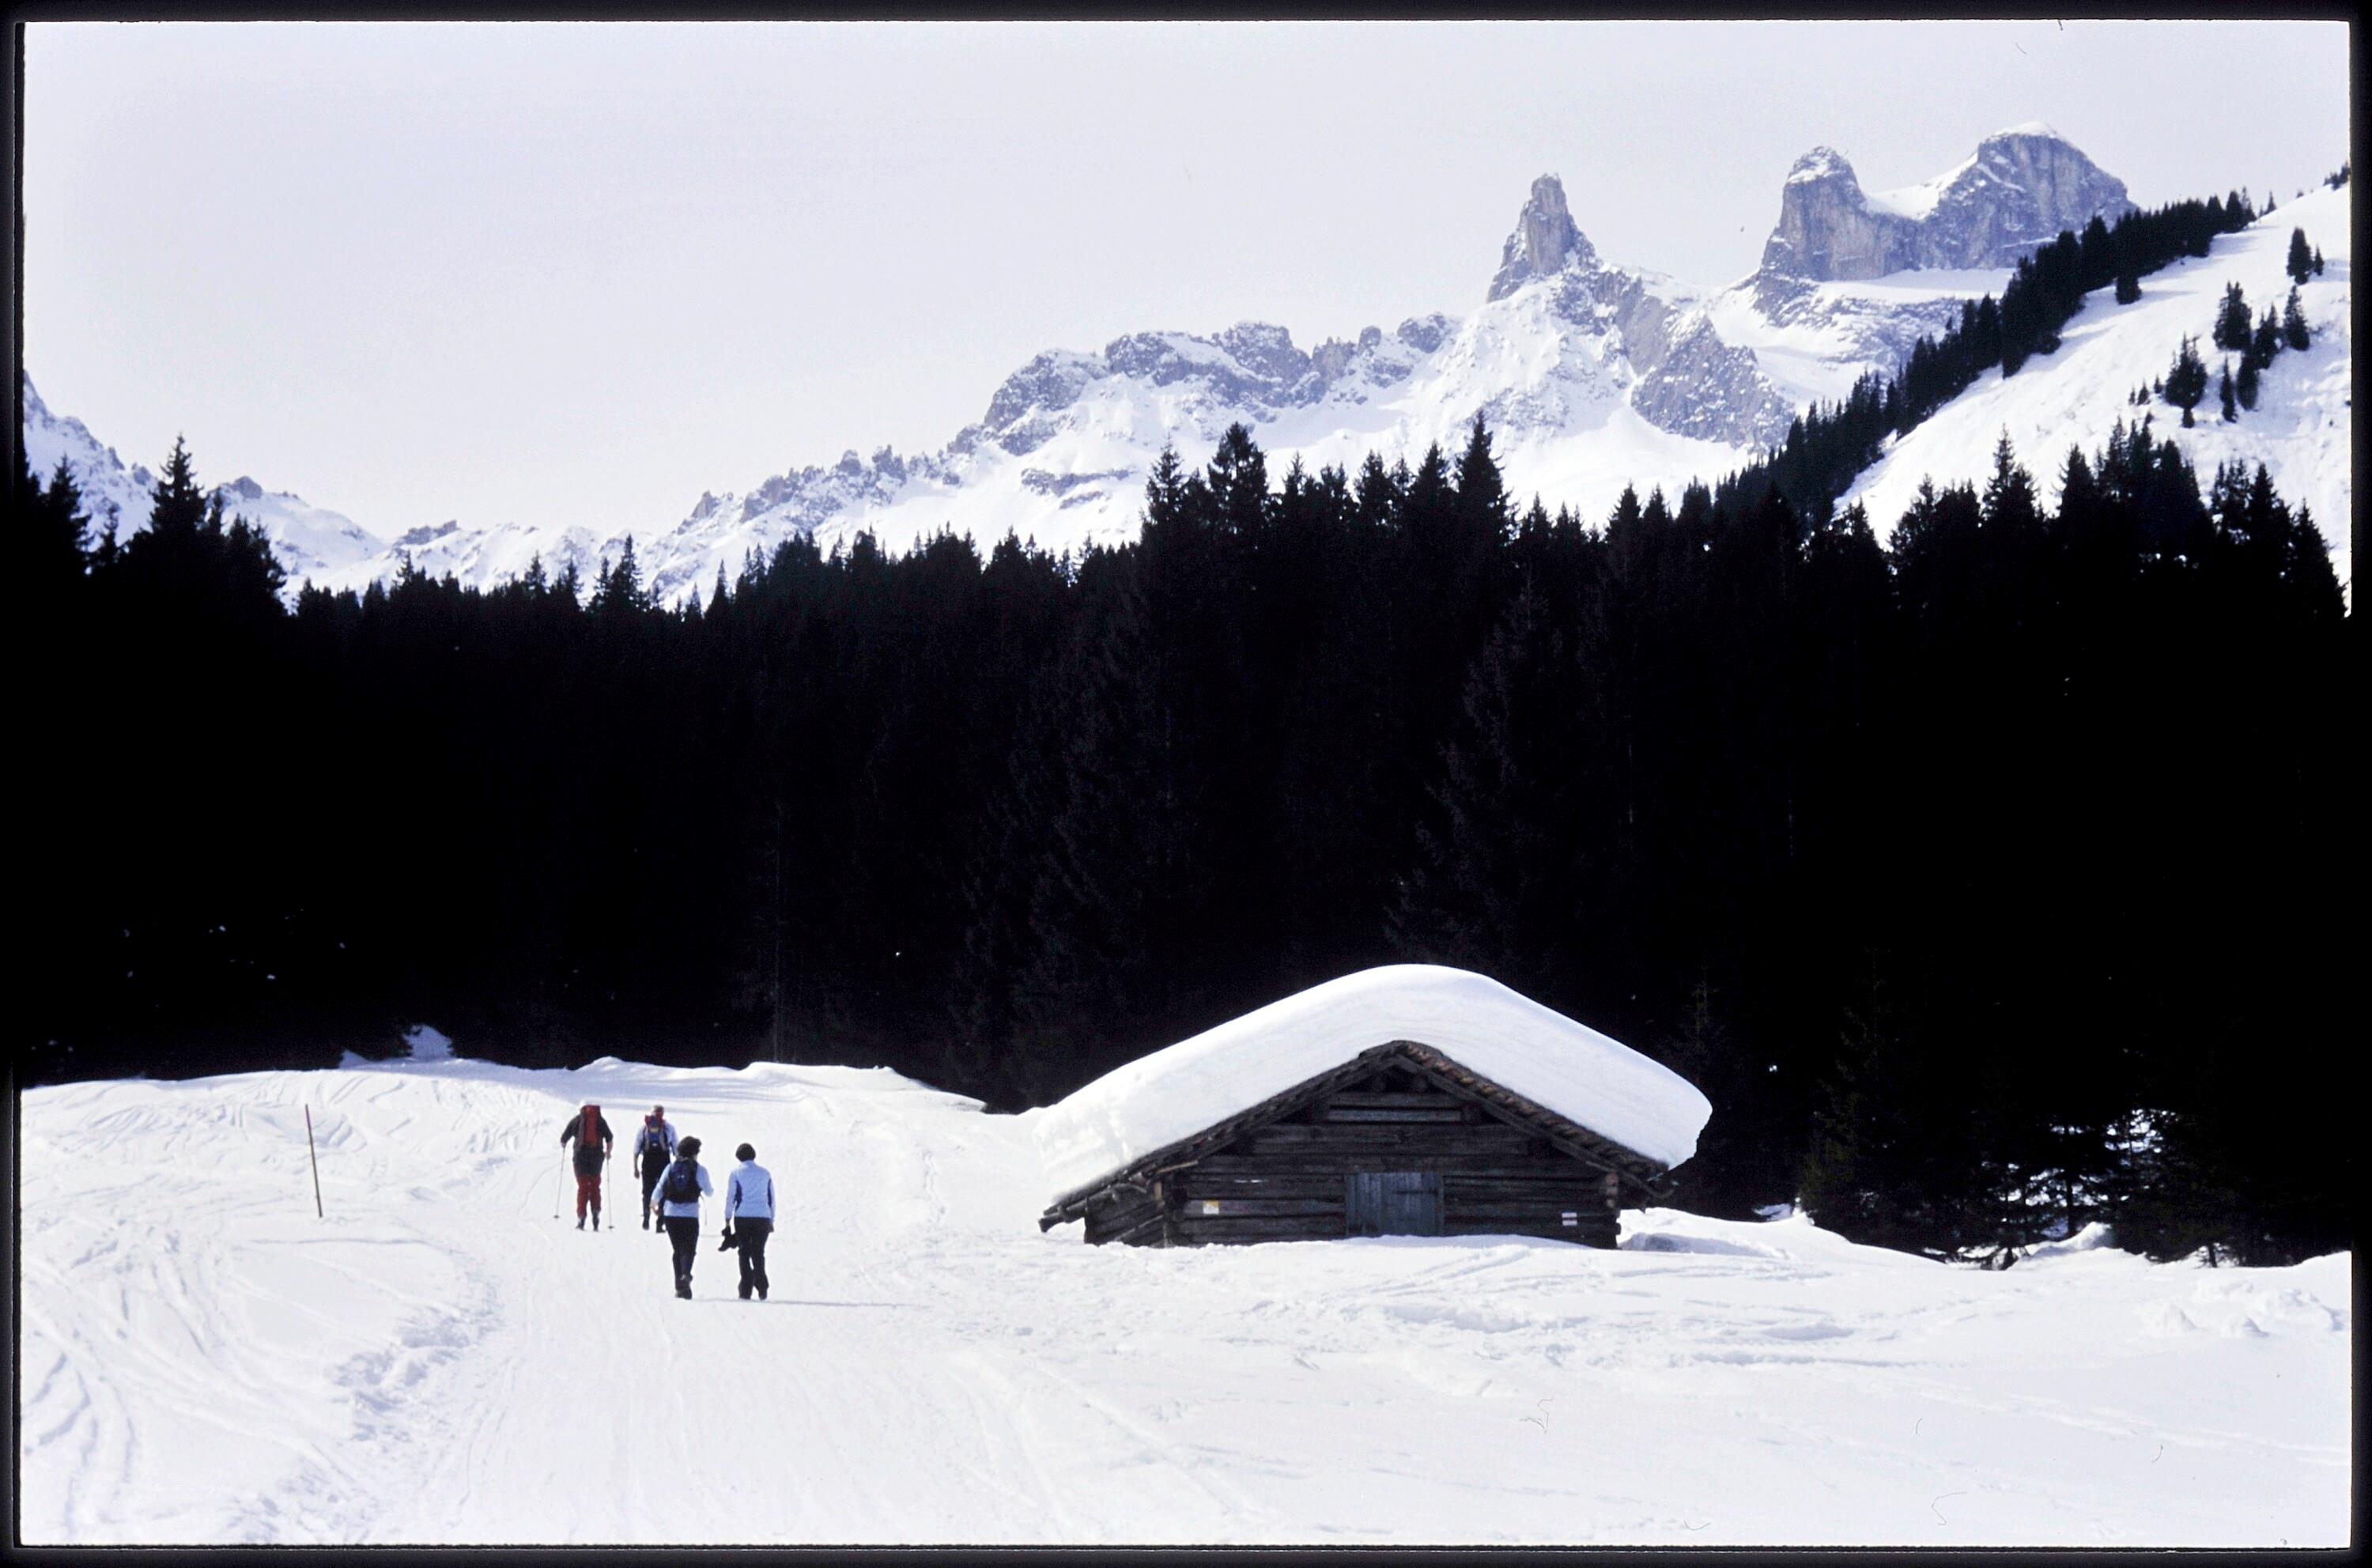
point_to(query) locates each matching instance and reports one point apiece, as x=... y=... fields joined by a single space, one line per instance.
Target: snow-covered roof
x=1562 y=1066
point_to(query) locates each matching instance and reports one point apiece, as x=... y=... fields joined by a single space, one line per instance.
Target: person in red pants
x=590 y=1132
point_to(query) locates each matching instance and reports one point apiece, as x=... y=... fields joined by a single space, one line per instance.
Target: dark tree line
x=1978 y=878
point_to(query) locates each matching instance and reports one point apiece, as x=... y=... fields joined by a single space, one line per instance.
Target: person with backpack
x=589 y=1131
x=679 y=1193
x=750 y=1217
x=654 y=1152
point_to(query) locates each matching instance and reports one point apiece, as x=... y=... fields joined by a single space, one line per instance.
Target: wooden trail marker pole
x=315 y=1161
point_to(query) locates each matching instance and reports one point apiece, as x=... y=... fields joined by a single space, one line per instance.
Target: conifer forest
x=1985 y=879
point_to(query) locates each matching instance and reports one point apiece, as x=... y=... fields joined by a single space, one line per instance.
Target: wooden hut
x=1402 y=1136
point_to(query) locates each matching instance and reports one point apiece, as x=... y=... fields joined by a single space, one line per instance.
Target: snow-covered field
x=438 y=1361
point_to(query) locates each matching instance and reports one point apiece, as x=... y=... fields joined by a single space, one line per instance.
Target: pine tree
x=1481 y=495
x=2246 y=385
x=2300 y=262
x=2224 y=393
x=2186 y=383
x=2268 y=340
x=2129 y=288
x=59 y=528
x=2294 y=332
x=177 y=506
x=2009 y=502
x=2078 y=490
x=2232 y=319
x=2317 y=261
x=1497 y=886
x=1888 y=1163
x=2175 y=1190
x=619 y=589
x=2306 y=572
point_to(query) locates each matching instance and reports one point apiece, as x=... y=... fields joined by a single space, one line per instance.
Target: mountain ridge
x=1592 y=375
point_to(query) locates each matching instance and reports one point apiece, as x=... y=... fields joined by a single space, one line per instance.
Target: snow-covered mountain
x=312 y=541
x=1592 y=376
x=1850 y=280
x=2302 y=428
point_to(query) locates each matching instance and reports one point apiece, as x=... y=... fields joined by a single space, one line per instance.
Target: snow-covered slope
x=2302 y=426
x=439 y=1361
x=1592 y=375
x=1559 y=1065
x=312 y=541
x=1813 y=341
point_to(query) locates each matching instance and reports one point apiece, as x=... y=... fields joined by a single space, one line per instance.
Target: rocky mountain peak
x=1822 y=163
x=2016 y=191
x=2031 y=130
x=1545 y=240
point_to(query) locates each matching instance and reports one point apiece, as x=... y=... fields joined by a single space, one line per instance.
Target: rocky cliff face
x=2016 y=191
x=1546 y=241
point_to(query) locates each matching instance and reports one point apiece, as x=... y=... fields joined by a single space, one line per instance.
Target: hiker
x=590 y=1130
x=679 y=1193
x=654 y=1152
x=749 y=1216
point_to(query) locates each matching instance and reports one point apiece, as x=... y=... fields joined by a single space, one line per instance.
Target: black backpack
x=682 y=1183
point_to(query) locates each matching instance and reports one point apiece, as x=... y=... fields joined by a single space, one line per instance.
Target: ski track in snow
x=440 y=1361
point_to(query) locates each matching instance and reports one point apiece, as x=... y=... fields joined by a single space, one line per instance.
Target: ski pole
x=315 y=1161
x=557 y=1177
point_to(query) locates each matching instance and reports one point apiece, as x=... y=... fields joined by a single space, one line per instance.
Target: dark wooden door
x=1392 y=1202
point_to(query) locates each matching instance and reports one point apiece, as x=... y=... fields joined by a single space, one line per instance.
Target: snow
x=1820 y=163
x=1514 y=1041
x=429 y=1043
x=1836 y=331
x=1918 y=201
x=440 y=1361
x=2301 y=429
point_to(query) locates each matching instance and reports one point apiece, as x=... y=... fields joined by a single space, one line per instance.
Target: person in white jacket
x=749 y=1214
x=680 y=1215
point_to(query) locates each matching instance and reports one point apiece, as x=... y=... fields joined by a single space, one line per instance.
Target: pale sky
x=559 y=273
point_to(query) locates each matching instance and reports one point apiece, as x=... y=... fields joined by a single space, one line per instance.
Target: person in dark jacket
x=750 y=1216
x=654 y=1152
x=680 y=1214
x=590 y=1132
